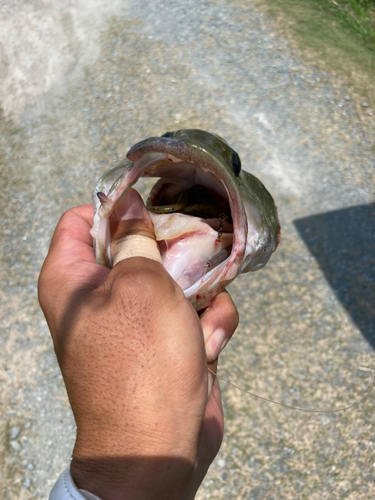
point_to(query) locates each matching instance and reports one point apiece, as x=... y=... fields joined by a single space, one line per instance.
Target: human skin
x=133 y=353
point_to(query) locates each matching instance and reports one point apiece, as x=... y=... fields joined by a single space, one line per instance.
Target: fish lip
x=167 y=145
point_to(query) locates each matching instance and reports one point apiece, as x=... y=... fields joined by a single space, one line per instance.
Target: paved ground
x=79 y=84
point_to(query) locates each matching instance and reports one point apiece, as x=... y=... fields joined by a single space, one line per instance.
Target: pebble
x=15 y=445
x=365 y=105
x=14 y=432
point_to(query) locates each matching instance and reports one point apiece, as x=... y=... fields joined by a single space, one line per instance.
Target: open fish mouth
x=212 y=221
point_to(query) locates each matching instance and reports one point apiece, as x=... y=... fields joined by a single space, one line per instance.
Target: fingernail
x=215 y=344
x=130 y=206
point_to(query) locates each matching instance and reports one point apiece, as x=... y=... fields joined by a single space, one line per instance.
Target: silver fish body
x=213 y=246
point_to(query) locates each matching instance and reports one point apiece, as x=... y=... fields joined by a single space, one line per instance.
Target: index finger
x=70 y=264
x=73 y=230
x=219 y=322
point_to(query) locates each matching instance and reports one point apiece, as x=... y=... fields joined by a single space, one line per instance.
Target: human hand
x=133 y=353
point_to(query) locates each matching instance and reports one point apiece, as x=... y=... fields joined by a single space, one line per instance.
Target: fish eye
x=168 y=134
x=236 y=163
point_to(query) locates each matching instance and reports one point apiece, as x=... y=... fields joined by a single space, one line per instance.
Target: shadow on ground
x=343 y=242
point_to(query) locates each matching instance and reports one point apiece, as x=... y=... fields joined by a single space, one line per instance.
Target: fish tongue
x=175 y=225
x=189 y=244
x=185 y=258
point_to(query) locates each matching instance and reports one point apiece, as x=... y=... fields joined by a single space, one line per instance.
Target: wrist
x=135 y=477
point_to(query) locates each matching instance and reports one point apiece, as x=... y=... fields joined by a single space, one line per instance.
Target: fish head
x=212 y=219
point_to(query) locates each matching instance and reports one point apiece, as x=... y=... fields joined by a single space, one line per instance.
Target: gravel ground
x=79 y=84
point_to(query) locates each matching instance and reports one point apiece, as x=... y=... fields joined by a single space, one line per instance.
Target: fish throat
x=197 y=201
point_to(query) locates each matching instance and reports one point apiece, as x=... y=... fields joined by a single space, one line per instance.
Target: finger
x=130 y=216
x=212 y=431
x=214 y=411
x=72 y=238
x=211 y=377
x=132 y=231
x=70 y=260
x=219 y=322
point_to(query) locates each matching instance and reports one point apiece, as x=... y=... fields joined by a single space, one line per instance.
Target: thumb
x=132 y=231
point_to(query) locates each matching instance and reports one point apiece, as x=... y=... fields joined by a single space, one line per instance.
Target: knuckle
x=143 y=280
x=66 y=217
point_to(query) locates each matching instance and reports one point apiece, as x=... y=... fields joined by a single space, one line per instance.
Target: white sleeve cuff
x=65 y=489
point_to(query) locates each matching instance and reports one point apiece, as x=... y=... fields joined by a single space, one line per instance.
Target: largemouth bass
x=212 y=220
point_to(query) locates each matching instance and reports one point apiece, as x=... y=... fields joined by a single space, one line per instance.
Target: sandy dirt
x=79 y=84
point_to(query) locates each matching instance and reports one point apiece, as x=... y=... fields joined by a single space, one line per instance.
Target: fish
x=212 y=220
